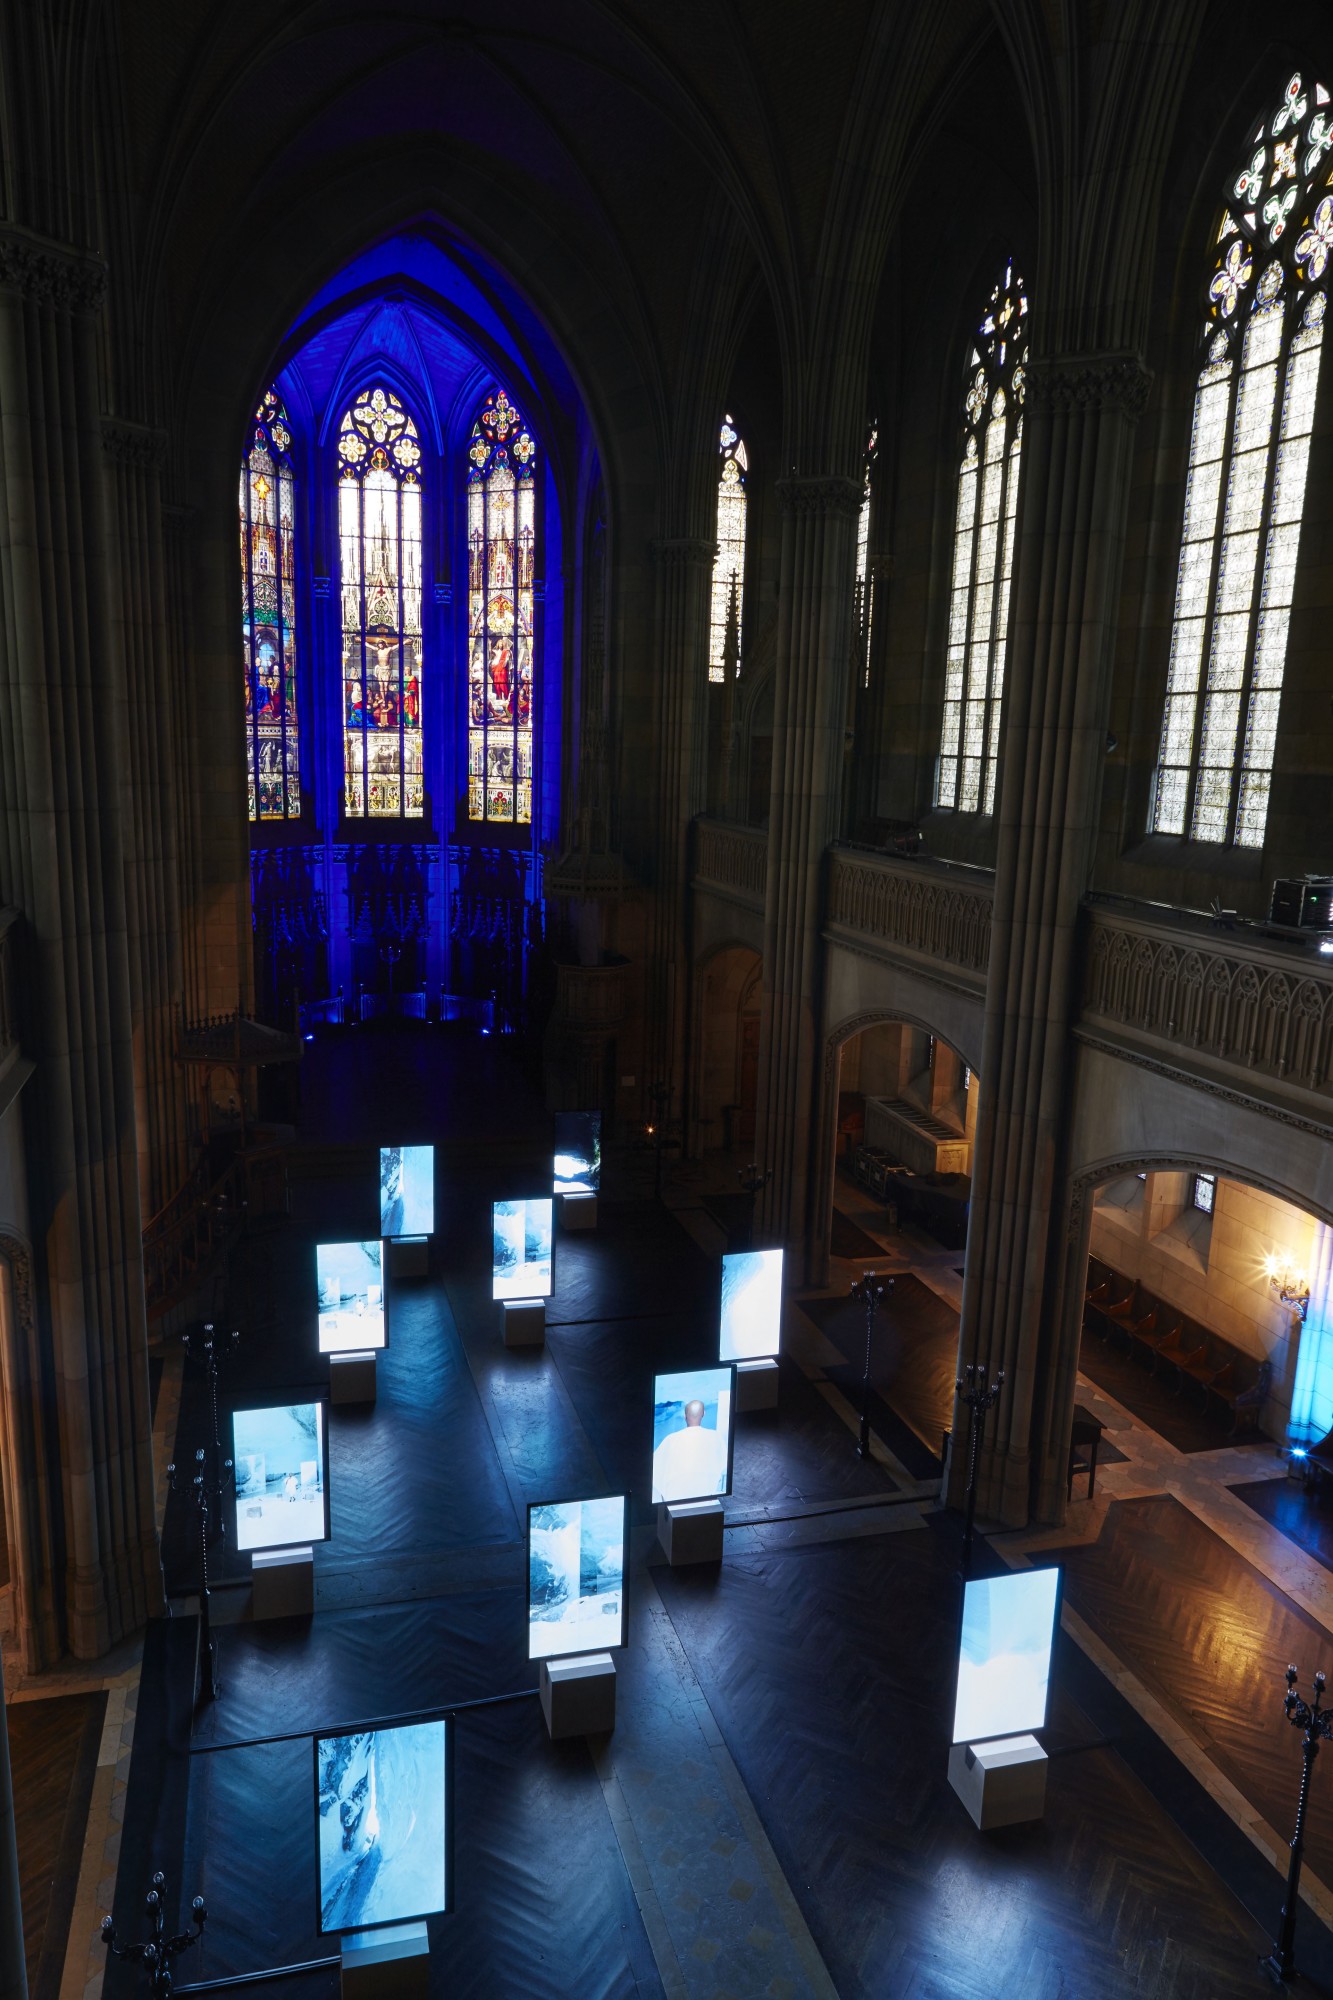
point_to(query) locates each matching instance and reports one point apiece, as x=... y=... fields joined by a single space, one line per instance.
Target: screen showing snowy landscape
x=350 y=1277
x=576 y=1576
x=521 y=1248
x=282 y=1486
x=382 y=1803
x=578 y=1152
x=1004 y=1660
x=407 y=1190
x=751 y=1305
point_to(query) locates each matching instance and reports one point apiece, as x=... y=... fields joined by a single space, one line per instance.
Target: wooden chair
x=1244 y=1401
x=1143 y=1332
x=1176 y=1350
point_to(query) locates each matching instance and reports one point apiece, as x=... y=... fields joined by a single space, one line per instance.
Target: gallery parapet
x=731 y=857
x=939 y=910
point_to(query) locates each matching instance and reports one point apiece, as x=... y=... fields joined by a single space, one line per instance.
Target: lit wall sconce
x=1290 y=1286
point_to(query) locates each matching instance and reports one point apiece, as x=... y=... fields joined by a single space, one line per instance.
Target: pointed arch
x=729 y=562
x=380 y=553
x=502 y=567
x=1262 y=334
x=268 y=615
x=985 y=522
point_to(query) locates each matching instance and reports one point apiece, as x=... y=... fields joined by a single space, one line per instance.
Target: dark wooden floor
x=53 y=1752
x=1303 y=1513
x=914 y=1358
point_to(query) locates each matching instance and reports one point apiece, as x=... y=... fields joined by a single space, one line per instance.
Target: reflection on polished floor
x=771 y=1816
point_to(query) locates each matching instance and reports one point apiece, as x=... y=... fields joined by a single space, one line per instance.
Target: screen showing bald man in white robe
x=692 y=1435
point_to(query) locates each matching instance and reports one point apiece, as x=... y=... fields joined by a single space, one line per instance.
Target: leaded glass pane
x=268 y=616
x=729 y=563
x=502 y=560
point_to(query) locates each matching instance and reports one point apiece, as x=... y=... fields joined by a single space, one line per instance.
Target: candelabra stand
x=208 y=1652
x=208 y=1349
x=973 y=1391
x=870 y=1291
x=753 y=1180
x=158 y=1950
x=1317 y=1722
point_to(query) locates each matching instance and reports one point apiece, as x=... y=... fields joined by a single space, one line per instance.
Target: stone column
x=1080 y=417
x=684 y=573
x=809 y=715
x=62 y=728
x=13 y=1968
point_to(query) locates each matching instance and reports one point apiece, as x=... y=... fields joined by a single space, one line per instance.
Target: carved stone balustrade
x=1212 y=1003
x=731 y=861
x=927 y=913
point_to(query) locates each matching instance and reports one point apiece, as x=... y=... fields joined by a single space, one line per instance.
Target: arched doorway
x=906 y=1122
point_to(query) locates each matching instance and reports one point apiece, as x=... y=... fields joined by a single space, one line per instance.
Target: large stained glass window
x=1263 y=329
x=729 y=563
x=268 y=613
x=983 y=558
x=502 y=557
x=379 y=532
x=865 y=606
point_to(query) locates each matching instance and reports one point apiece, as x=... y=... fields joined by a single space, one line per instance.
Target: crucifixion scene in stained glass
x=268 y=614
x=728 y=592
x=379 y=533
x=502 y=552
x=1262 y=334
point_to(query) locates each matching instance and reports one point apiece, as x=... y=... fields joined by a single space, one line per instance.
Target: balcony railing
x=731 y=858
x=926 y=909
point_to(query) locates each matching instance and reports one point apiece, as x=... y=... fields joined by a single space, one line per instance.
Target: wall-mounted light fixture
x=1290 y=1285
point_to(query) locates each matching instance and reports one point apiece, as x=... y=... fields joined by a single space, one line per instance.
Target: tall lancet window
x=502 y=566
x=268 y=615
x=379 y=534
x=729 y=563
x=1262 y=332
x=983 y=553
x=865 y=606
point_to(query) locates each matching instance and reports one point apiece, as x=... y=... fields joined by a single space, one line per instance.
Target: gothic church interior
x=762 y=572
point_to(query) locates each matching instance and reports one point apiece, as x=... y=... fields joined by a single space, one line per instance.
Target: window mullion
x=1214 y=569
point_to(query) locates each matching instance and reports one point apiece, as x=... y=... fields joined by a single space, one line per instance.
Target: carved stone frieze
x=828 y=494
x=49 y=273
x=136 y=445
x=733 y=857
x=904 y=905
x=1090 y=382
x=684 y=552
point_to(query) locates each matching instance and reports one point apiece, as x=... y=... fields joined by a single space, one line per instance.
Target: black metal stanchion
x=870 y=1290
x=158 y=1950
x=204 y=1506
x=1317 y=1722
x=208 y=1349
x=753 y=1180
x=979 y=1397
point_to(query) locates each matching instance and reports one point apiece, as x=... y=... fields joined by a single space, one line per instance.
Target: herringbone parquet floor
x=53 y=1756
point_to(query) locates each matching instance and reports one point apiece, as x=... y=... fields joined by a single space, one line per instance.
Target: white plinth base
x=691 y=1533
x=524 y=1322
x=578 y=1211
x=352 y=1378
x=409 y=1256
x=388 y=1964
x=756 y=1385
x=284 y=1583
x=1001 y=1784
x=578 y=1695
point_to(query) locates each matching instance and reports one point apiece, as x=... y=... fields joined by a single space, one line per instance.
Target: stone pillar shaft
x=13 y=1968
x=1079 y=426
x=815 y=609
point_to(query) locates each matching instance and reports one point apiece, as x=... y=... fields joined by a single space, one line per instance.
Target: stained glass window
x=379 y=531
x=502 y=559
x=268 y=614
x=985 y=521
x=729 y=562
x=865 y=605
x=1262 y=335
x=1203 y=1194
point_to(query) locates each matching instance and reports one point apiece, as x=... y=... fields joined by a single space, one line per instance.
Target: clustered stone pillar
x=13 y=1970
x=809 y=720
x=62 y=728
x=1080 y=416
x=684 y=573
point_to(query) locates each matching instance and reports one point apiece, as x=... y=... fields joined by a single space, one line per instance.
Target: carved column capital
x=829 y=493
x=50 y=273
x=1115 y=381
x=684 y=552
x=135 y=445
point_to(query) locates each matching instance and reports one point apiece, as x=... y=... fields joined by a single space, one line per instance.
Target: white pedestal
x=1001 y=1784
x=578 y=1695
x=578 y=1211
x=756 y=1385
x=388 y=1964
x=352 y=1378
x=692 y=1533
x=524 y=1322
x=409 y=1256
x=284 y=1583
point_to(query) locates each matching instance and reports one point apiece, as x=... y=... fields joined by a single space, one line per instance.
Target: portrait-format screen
x=576 y=1576
x=692 y=1434
x=578 y=1152
x=407 y=1190
x=1004 y=1660
x=751 y=1305
x=382 y=1801
x=521 y=1248
x=350 y=1277
x=282 y=1484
